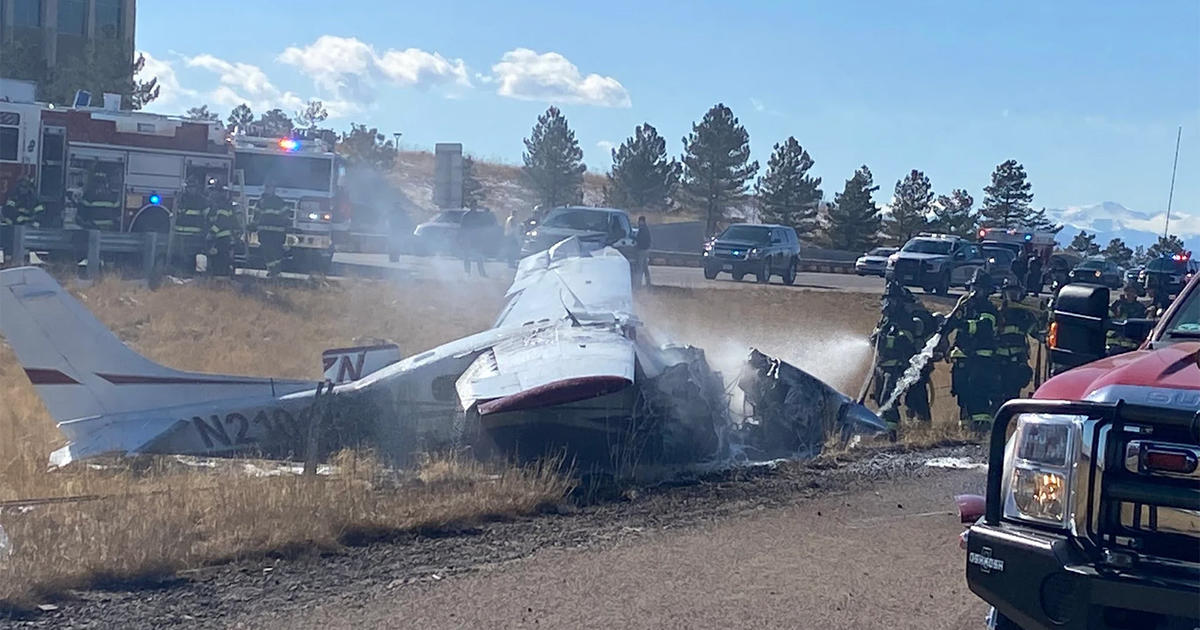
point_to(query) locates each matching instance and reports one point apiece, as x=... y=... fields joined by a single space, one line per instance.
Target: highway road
x=686 y=277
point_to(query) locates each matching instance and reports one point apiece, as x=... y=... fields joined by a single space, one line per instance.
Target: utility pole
x=1171 y=195
x=396 y=135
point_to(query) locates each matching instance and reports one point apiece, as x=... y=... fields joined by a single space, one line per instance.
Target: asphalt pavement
x=686 y=277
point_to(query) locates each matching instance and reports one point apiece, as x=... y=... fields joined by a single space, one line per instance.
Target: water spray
x=912 y=374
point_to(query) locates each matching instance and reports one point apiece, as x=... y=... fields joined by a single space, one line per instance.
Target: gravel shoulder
x=867 y=541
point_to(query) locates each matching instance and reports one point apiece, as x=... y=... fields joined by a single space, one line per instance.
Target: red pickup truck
x=1092 y=514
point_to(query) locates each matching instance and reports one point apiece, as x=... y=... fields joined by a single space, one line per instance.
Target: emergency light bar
x=289 y=144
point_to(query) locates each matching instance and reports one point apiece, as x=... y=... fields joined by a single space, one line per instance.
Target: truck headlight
x=753 y=252
x=1038 y=469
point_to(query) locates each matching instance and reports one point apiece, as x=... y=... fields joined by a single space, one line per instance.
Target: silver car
x=874 y=262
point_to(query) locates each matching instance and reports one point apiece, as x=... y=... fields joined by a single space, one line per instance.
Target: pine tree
x=911 y=204
x=1118 y=252
x=275 y=123
x=553 y=161
x=716 y=165
x=200 y=113
x=854 y=220
x=1037 y=220
x=240 y=117
x=1006 y=199
x=1140 y=256
x=953 y=214
x=365 y=146
x=473 y=193
x=787 y=194
x=313 y=114
x=1166 y=245
x=642 y=177
x=1084 y=244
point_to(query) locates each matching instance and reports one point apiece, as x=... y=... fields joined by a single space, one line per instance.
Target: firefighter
x=222 y=226
x=191 y=209
x=23 y=205
x=99 y=210
x=1125 y=307
x=22 y=208
x=1017 y=324
x=901 y=334
x=974 y=375
x=272 y=223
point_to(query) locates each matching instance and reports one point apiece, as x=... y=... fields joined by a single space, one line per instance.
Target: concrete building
x=62 y=28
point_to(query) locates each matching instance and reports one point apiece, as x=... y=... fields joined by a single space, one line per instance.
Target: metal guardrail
x=95 y=244
x=686 y=259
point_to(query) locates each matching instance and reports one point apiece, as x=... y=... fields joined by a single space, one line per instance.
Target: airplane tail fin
x=82 y=370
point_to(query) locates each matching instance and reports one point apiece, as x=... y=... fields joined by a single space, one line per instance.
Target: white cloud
x=526 y=75
x=757 y=105
x=170 y=91
x=350 y=68
x=247 y=83
x=607 y=146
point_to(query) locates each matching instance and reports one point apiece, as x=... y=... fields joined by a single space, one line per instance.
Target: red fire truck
x=307 y=175
x=145 y=159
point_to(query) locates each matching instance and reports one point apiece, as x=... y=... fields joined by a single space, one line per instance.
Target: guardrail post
x=93 y=254
x=18 y=245
x=149 y=253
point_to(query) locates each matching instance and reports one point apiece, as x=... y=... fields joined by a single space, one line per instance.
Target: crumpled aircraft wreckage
x=567 y=368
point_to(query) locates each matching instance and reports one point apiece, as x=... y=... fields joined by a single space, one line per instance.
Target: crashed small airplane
x=566 y=366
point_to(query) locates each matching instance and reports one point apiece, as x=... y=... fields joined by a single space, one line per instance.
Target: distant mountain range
x=1109 y=220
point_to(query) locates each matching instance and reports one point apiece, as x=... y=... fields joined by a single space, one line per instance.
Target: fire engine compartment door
x=154 y=172
x=87 y=162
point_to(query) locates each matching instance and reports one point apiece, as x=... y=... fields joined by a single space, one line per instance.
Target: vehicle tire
x=763 y=275
x=789 y=276
x=710 y=273
x=738 y=275
x=943 y=285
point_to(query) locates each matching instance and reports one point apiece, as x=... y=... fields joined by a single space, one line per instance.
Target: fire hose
x=941 y=330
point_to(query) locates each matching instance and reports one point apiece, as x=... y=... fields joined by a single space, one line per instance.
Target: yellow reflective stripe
x=972 y=327
x=1011 y=330
x=984 y=353
x=988 y=316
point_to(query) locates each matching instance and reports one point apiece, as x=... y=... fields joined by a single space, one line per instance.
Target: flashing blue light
x=155 y=200
x=1028 y=237
x=289 y=144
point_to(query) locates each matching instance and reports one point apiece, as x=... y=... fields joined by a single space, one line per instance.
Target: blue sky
x=1086 y=95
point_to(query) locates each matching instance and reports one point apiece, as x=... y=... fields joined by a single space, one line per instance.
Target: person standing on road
x=470 y=233
x=1125 y=307
x=222 y=224
x=1033 y=279
x=191 y=222
x=641 y=253
x=512 y=239
x=974 y=378
x=271 y=222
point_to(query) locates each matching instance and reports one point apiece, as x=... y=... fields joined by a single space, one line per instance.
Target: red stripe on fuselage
x=557 y=393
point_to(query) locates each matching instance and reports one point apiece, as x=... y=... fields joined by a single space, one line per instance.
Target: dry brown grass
x=164 y=518
x=174 y=520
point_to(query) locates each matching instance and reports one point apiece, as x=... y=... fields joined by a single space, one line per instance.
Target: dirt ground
x=860 y=541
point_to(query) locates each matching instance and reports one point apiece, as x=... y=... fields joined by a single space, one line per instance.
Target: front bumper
x=870 y=269
x=1045 y=581
x=732 y=265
